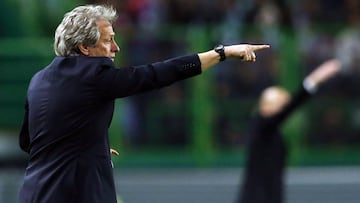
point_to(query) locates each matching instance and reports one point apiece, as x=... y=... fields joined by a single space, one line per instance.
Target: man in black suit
x=266 y=150
x=70 y=104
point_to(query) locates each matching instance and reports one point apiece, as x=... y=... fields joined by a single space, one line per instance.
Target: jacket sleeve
x=24 y=138
x=126 y=81
x=298 y=98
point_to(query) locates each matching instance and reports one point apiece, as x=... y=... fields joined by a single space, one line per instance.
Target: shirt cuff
x=310 y=86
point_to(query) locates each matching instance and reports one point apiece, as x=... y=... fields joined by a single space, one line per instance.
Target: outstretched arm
x=321 y=74
x=275 y=101
x=245 y=52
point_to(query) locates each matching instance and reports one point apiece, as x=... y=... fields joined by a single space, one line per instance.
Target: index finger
x=259 y=47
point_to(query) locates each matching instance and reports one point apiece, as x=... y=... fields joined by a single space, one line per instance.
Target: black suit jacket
x=68 y=111
x=266 y=156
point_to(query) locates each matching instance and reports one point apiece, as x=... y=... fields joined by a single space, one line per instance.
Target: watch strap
x=220 y=49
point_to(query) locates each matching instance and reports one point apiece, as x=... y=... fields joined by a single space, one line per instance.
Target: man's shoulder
x=80 y=65
x=82 y=61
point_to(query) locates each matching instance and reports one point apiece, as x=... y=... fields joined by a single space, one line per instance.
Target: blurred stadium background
x=185 y=143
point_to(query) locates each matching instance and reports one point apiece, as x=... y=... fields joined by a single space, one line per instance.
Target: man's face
x=106 y=45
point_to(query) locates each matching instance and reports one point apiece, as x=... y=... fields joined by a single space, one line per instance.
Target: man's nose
x=115 y=47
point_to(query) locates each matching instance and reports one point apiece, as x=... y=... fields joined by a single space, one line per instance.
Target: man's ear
x=84 y=49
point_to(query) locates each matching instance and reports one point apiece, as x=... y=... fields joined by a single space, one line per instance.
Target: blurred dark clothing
x=266 y=155
x=69 y=108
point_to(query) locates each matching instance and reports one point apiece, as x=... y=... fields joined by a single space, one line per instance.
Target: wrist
x=220 y=49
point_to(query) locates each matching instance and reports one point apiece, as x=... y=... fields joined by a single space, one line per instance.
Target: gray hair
x=79 y=27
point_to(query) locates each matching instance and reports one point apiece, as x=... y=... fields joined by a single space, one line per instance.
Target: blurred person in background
x=70 y=103
x=347 y=45
x=266 y=149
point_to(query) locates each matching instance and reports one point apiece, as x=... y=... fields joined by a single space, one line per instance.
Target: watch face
x=220 y=49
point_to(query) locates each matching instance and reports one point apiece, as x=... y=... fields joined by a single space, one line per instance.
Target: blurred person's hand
x=323 y=72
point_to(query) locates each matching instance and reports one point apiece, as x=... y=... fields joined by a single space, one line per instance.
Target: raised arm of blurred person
x=266 y=150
